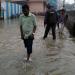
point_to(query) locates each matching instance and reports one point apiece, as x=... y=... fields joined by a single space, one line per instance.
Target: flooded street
x=49 y=57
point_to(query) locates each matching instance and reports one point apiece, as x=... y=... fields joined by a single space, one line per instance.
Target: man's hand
x=34 y=29
x=44 y=25
x=22 y=36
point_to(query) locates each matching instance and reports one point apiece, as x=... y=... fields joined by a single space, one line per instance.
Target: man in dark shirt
x=50 y=21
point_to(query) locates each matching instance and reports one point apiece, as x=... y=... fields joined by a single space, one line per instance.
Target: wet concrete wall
x=71 y=22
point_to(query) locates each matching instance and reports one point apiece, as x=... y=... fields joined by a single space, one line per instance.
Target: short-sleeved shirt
x=61 y=18
x=28 y=23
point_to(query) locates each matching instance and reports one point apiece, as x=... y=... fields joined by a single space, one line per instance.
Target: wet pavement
x=49 y=57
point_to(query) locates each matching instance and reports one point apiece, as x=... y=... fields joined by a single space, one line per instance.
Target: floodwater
x=49 y=57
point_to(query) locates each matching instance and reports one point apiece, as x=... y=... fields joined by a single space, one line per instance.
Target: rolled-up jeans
x=28 y=43
x=61 y=27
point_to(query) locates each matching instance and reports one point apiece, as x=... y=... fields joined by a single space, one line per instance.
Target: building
x=10 y=8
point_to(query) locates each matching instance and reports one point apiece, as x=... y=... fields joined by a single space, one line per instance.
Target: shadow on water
x=73 y=40
x=54 y=48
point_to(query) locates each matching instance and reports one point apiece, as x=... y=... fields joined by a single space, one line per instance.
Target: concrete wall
x=36 y=6
x=71 y=23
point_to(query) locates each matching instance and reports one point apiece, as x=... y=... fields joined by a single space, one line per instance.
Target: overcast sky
x=69 y=1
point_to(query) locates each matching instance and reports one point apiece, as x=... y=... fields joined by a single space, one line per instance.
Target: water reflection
x=49 y=57
x=1 y=24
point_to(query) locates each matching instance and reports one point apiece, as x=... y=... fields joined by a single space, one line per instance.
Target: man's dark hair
x=25 y=6
x=48 y=6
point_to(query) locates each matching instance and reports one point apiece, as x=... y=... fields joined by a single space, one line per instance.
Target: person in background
x=58 y=15
x=61 y=20
x=27 y=29
x=50 y=21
